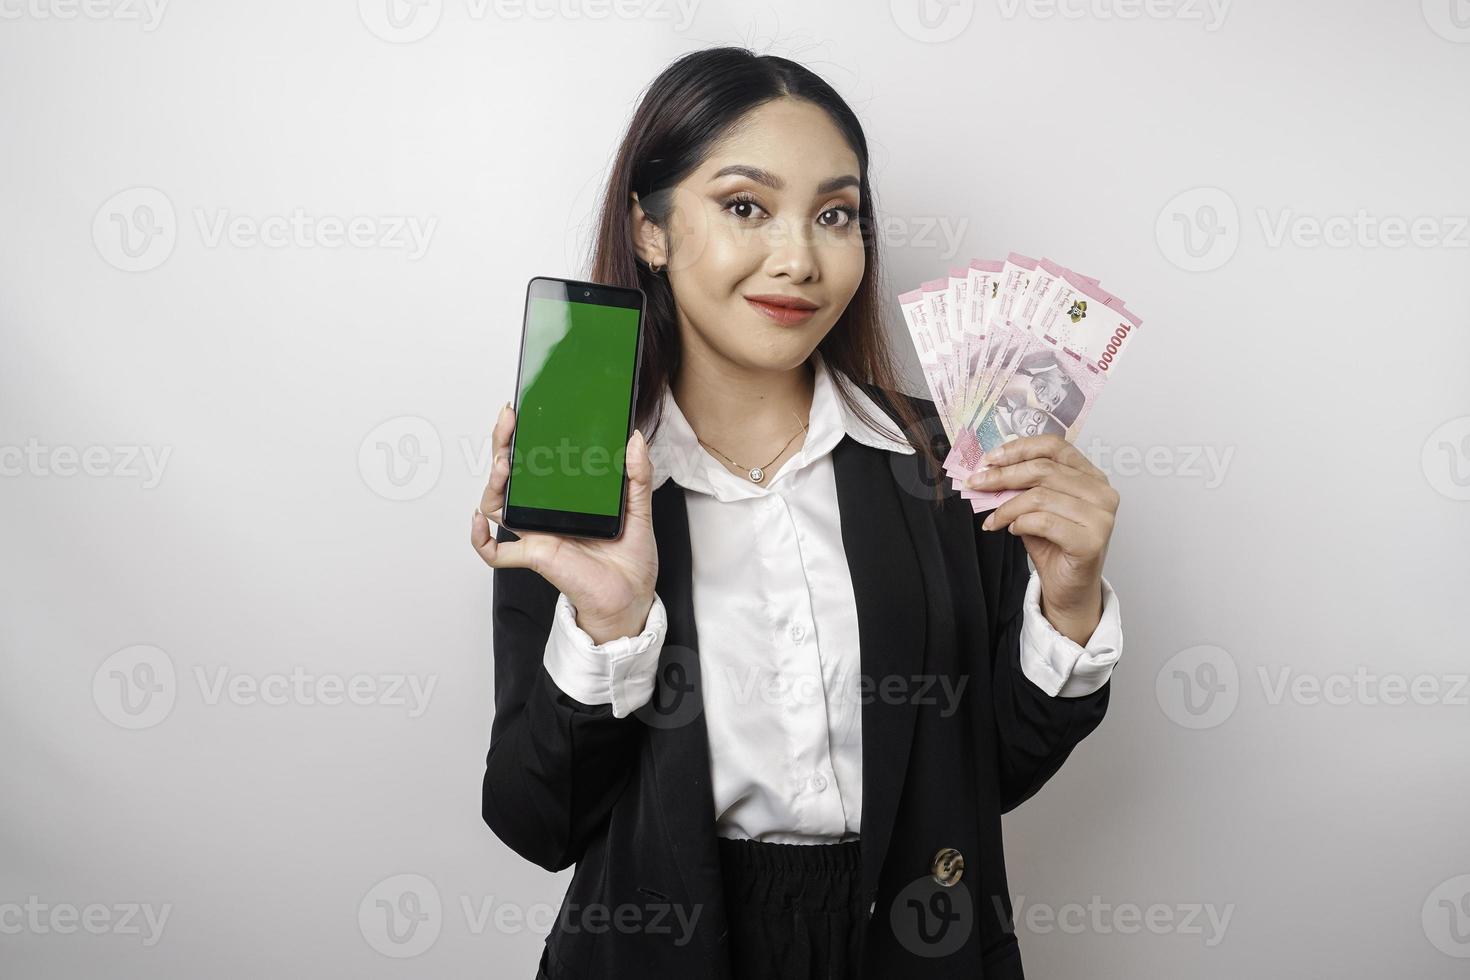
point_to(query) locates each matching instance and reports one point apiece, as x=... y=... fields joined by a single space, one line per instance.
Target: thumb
x=640 y=478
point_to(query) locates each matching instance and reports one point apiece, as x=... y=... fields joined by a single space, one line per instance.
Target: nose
x=792 y=253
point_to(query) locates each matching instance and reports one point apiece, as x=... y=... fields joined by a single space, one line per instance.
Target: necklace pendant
x=757 y=474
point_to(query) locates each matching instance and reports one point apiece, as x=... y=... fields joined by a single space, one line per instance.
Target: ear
x=649 y=240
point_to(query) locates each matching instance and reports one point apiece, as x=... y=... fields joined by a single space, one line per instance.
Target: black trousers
x=795 y=910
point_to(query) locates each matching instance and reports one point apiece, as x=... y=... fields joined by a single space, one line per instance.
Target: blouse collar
x=676 y=452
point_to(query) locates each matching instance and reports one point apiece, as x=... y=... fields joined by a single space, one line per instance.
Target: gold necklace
x=757 y=473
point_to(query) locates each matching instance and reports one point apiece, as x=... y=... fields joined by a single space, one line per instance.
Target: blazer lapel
x=879 y=525
x=678 y=736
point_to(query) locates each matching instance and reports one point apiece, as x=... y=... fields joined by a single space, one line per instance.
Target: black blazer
x=629 y=802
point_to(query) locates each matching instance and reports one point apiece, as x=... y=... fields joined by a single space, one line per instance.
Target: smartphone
x=576 y=388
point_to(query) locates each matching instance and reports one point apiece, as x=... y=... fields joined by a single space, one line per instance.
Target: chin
x=786 y=353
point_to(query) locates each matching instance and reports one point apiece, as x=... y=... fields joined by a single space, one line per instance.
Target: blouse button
x=797 y=632
x=819 y=782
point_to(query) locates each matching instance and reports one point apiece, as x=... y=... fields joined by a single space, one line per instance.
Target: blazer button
x=949 y=865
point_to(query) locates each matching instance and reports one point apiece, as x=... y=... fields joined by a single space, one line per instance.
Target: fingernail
x=638 y=434
x=988 y=523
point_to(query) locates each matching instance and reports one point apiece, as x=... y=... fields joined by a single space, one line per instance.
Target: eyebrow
x=776 y=183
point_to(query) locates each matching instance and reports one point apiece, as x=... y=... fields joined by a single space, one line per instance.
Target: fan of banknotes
x=1013 y=348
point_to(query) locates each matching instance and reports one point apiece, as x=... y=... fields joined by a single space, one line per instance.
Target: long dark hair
x=682 y=114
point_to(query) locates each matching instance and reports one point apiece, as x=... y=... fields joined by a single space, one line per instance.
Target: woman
x=775 y=723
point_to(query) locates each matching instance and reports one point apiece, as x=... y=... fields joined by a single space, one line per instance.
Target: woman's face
x=772 y=212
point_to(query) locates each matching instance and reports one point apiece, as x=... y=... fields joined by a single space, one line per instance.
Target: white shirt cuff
x=619 y=672
x=1056 y=663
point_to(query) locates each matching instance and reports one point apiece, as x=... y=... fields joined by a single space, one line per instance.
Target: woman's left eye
x=849 y=215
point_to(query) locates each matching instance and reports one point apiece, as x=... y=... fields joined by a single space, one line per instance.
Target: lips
x=782 y=309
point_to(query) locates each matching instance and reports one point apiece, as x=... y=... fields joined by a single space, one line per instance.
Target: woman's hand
x=610 y=582
x=1065 y=518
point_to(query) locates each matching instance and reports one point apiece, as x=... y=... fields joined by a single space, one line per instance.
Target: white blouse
x=778 y=632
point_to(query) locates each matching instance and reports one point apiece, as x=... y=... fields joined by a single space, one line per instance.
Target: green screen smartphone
x=576 y=389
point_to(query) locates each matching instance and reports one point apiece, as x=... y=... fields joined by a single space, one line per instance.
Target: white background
x=1327 y=382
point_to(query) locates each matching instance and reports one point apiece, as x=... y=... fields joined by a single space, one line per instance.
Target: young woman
x=775 y=723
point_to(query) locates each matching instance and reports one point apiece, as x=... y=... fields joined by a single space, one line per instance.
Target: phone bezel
x=574 y=523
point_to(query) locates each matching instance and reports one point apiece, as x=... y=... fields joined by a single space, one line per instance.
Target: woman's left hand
x=1064 y=515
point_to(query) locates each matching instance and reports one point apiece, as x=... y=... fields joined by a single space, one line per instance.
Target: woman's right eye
x=741 y=200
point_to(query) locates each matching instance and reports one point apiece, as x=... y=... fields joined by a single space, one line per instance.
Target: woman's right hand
x=610 y=582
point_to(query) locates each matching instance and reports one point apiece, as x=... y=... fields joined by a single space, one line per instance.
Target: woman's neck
x=746 y=415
